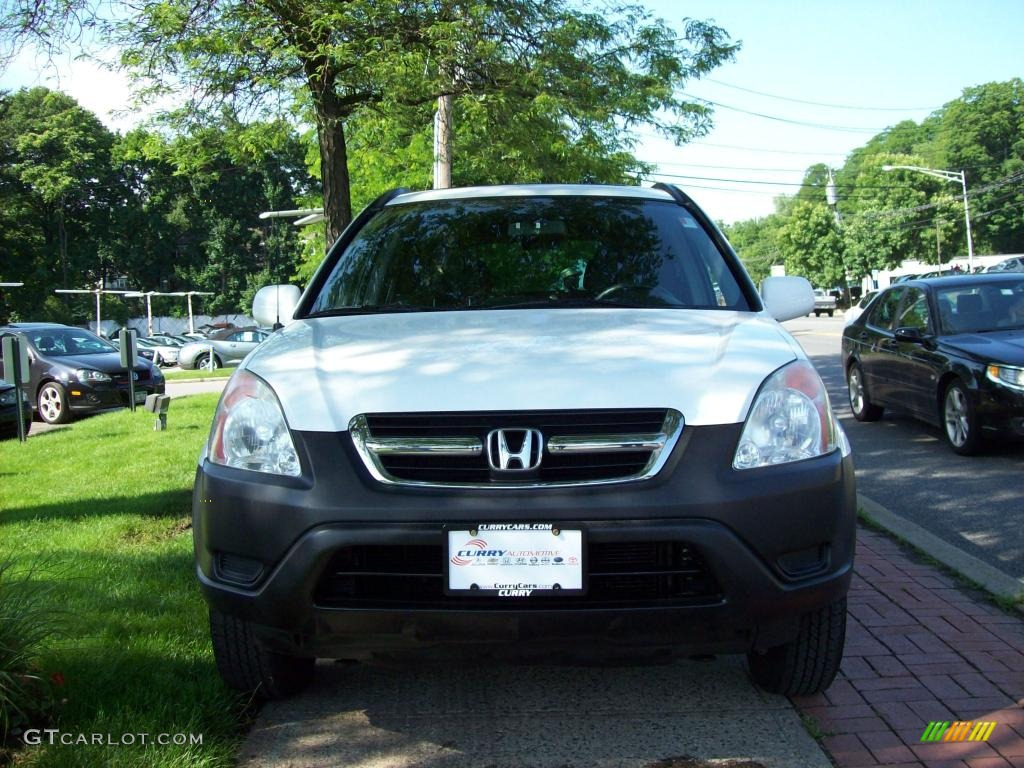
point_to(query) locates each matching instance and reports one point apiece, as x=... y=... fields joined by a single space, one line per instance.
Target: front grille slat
x=581 y=446
x=619 y=574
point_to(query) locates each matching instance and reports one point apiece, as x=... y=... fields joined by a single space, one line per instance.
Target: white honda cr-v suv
x=532 y=417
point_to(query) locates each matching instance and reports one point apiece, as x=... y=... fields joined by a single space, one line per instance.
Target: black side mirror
x=910 y=335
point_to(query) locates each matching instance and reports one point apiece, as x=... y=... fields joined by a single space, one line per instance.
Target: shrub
x=27 y=695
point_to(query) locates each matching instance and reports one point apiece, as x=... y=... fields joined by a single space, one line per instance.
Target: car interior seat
x=46 y=344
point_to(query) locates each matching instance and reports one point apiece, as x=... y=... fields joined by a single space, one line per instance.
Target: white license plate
x=515 y=560
x=140 y=397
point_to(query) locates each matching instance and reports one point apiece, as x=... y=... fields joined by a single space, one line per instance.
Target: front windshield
x=981 y=307
x=530 y=251
x=59 y=342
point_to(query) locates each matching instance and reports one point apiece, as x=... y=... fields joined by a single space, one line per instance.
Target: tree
x=600 y=73
x=812 y=246
x=756 y=243
x=56 y=160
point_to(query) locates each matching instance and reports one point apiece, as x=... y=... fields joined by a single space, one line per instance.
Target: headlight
x=249 y=430
x=8 y=398
x=1006 y=375
x=790 y=420
x=87 y=375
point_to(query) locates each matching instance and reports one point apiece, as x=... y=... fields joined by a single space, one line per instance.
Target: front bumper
x=775 y=543
x=114 y=394
x=1000 y=409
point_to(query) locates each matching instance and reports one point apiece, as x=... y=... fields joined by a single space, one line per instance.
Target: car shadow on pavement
x=450 y=713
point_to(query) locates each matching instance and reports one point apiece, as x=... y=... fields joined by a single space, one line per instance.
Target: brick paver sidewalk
x=919 y=649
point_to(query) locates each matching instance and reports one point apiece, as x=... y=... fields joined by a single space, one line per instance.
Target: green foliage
x=164 y=212
x=891 y=217
x=27 y=622
x=811 y=244
x=581 y=78
x=111 y=541
x=755 y=241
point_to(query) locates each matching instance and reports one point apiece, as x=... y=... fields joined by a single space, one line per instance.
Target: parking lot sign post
x=16 y=372
x=129 y=357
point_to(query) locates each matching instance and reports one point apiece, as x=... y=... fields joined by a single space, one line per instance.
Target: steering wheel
x=616 y=288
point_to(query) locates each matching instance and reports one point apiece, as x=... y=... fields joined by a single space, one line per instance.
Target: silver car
x=163 y=354
x=227 y=348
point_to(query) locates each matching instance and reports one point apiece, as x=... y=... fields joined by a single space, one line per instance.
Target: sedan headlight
x=89 y=376
x=1007 y=375
x=8 y=398
x=249 y=430
x=790 y=420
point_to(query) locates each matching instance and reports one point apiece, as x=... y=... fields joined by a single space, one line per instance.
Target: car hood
x=108 y=362
x=993 y=347
x=706 y=364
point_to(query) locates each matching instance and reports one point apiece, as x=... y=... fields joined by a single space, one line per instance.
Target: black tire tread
x=245 y=665
x=810 y=662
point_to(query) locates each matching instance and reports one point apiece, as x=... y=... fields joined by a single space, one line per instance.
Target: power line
x=805 y=123
x=852 y=186
x=819 y=103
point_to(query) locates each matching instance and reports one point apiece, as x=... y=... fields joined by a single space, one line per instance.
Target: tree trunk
x=443 y=143
x=62 y=243
x=333 y=164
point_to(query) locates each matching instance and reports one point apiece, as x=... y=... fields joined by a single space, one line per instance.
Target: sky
x=882 y=62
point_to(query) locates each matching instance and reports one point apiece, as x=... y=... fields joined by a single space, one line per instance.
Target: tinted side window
x=885 y=309
x=915 y=312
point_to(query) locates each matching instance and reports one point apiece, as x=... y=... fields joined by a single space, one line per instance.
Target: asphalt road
x=974 y=503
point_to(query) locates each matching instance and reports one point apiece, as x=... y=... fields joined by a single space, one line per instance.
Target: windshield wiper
x=572 y=303
x=372 y=309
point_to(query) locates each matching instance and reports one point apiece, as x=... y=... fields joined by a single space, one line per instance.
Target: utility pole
x=443 y=142
x=832 y=198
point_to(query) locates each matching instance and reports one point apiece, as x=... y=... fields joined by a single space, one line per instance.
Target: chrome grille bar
x=606 y=443
x=425 y=446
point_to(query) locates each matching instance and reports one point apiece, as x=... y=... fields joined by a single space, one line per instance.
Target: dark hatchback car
x=75 y=371
x=9 y=412
x=949 y=350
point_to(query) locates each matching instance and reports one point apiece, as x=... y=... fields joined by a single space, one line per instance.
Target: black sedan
x=9 y=412
x=75 y=371
x=949 y=351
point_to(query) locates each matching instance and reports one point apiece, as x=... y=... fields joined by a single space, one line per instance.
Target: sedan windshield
x=58 y=342
x=520 y=252
x=981 y=307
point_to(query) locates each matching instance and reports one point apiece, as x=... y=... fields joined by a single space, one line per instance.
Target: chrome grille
x=580 y=447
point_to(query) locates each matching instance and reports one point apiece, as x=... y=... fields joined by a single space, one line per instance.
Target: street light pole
x=960 y=176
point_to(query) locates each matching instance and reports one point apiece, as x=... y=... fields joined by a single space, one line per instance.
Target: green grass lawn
x=103 y=511
x=217 y=373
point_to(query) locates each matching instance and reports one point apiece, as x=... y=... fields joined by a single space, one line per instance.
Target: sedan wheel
x=961 y=425
x=863 y=408
x=203 y=362
x=53 y=404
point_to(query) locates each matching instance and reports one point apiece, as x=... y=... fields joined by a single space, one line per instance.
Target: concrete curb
x=990 y=578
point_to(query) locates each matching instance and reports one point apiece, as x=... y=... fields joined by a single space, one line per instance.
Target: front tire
x=52 y=403
x=809 y=663
x=861 y=405
x=959 y=421
x=245 y=665
x=203 y=362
